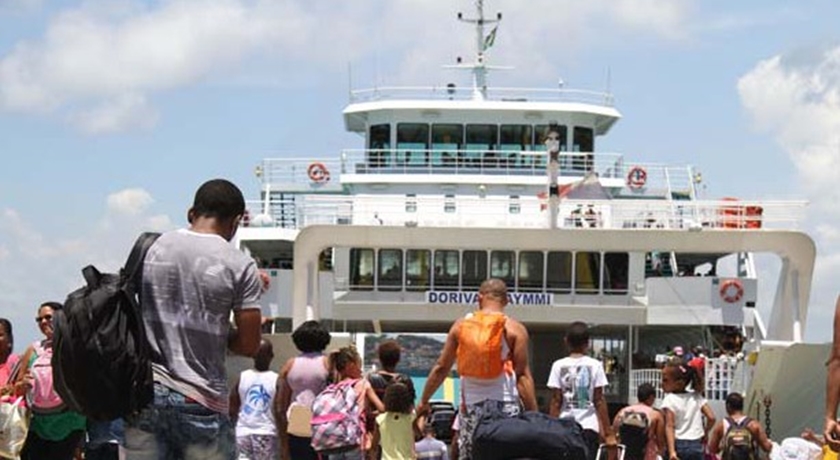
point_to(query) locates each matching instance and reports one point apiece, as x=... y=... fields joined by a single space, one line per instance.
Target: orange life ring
x=731 y=291
x=318 y=172
x=637 y=177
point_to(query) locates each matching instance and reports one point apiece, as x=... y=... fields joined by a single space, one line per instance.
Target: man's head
x=493 y=292
x=262 y=360
x=219 y=200
x=577 y=337
x=646 y=394
x=389 y=353
x=734 y=403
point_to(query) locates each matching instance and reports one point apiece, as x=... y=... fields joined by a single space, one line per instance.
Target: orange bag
x=480 y=345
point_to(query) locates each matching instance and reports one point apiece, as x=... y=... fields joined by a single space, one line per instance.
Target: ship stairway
x=659 y=264
x=283 y=209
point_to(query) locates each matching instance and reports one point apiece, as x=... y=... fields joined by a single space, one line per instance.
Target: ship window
x=514 y=206
x=474 y=269
x=412 y=144
x=587 y=272
x=530 y=271
x=379 y=143
x=502 y=266
x=481 y=139
x=514 y=139
x=615 y=272
x=411 y=202
x=418 y=267
x=449 y=204
x=446 y=270
x=583 y=142
x=446 y=142
x=361 y=269
x=559 y=272
x=390 y=269
x=541 y=132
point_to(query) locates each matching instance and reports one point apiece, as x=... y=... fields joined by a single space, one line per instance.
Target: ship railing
x=722 y=376
x=519 y=211
x=300 y=174
x=507 y=94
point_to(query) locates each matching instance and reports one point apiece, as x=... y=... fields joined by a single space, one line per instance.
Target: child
x=577 y=382
x=396 y=427
x=685 y=427
x=347 y=365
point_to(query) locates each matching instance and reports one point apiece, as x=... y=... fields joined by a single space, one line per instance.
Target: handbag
x=14 y=425
x=299 y=420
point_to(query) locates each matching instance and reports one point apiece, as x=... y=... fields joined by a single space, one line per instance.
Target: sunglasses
x=38 y=319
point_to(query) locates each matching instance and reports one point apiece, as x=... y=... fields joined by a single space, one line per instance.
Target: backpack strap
x=133 y=269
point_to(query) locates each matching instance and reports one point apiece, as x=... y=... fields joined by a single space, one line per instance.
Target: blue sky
x=112 y=112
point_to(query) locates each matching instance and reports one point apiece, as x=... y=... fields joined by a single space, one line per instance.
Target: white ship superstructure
x=456 y=184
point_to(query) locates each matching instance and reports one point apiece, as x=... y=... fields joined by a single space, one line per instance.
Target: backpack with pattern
x=338 y=417
x=738 y=441
x=43 y=398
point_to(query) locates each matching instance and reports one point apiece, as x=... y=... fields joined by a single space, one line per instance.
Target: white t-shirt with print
x=578 y=377
x=688 y=414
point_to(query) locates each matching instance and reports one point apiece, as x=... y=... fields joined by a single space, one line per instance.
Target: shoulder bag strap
x=133 y=269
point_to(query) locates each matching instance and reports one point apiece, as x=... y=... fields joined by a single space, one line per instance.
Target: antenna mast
x=483 y=43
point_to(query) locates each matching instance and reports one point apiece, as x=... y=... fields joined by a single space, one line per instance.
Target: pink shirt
x=7 y=368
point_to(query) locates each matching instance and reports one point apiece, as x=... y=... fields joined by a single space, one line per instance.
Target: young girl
x=397 y=427
x=347 y=365
x=685 y=427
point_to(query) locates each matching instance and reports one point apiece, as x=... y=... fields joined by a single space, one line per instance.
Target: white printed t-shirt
x=577 y=378
x=191 y=284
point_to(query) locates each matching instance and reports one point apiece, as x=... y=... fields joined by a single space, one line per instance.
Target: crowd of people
x=320 y=405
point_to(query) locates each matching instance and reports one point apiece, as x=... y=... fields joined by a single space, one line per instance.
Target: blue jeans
x=354 y=454
x=689 y=449
x=175 y=428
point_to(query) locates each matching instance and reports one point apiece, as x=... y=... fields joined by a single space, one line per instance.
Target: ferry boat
x=453 y=184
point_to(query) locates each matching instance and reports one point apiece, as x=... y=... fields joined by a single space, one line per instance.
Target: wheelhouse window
x=446 y=142
x=390 y=269
x=481 y=140
x=559 y=272
x=446 y=270
x=361 y=269
x=474 y=269
x=583 y=142
x=412 y=144
x=514 y=139
x=418 y=266
x=615 y=272
x=530 y=276
x=379 y=143
x=587 y=272
x=502 y=266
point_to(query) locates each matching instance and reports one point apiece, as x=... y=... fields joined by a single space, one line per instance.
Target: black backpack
x=380 y=382
x=633 y=431
x=100 y=362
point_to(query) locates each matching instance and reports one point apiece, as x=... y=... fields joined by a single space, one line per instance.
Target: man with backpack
x=640 y=427
x=492 y=353
x=389 y=352
x=738 y=437
x=193 y=279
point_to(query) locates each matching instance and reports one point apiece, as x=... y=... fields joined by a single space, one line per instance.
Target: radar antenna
x=483 y=43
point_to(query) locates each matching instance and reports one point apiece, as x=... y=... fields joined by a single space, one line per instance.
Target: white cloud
x=796 y=98
x=130 y=201
x=103 y=61
x=41 y=266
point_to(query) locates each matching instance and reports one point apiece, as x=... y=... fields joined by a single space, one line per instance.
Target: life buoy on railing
x=318 y=172
x=731 y=291
x=637 y=177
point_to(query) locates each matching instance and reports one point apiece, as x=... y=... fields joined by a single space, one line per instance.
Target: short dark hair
x=51 y=304
x=7 y=326
x=311 y=337
x=578 y=335
x=645 y=391
x=398 y=398
x=218 y=198
x=389 y=353
x=734 y=402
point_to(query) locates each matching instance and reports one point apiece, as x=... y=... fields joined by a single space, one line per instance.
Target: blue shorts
x=175 y=427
